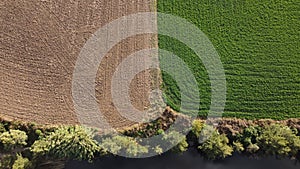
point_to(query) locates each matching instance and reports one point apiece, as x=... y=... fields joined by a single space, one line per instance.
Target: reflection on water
x=188 y=160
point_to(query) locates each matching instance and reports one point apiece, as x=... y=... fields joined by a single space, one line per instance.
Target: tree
x=252 y=148
x=2 y=128
x=122 y=144
x=158 y=150
x=197 y=127
x=249 y=138
x=6 y=161
x=21 y=163
x=13 y=139
x=176 y=138
x=280 y=140
x=238 y=146
x=73 y=142
x=216 y=146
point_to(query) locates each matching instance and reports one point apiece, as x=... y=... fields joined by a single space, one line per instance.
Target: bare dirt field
x=39 y=44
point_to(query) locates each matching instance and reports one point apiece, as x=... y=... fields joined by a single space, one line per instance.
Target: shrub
x=197 y=127
x=122 y=144
x=216 y=146
x=13 y=139
x=2 y=128
x=178 y=139
x=21 y=163
x=238 y=147
x=73 y=142
x=158 y=150
x=279 y=140
x=249 y=135
x=252 y=148
x=182 y=146
x=39 y=132
x=6 y=161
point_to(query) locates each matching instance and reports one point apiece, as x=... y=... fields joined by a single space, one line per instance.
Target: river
x=188 y=160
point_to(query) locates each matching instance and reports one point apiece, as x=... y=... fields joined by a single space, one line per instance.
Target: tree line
x=28 y=146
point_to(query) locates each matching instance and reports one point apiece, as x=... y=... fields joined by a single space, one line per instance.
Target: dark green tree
x=249 y=138
x=6 y=161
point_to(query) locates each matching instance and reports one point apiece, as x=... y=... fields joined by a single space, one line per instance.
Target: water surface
x=188 y=160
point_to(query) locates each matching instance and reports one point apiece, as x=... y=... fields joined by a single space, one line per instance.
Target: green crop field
x=259 y=45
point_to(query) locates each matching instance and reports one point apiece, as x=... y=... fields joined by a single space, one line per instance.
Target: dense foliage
x=13 y=139
x=249 y=138
x=122 y=144
x=279 y=140
x=79 y=143
x=21 y=163
x=197 y=126
x=217 y=146
x=74 y=142
x=176 y=138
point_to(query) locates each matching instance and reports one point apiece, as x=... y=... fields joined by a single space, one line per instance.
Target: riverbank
x=42 y=145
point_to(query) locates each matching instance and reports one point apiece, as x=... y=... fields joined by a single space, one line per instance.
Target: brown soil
x=39 y=44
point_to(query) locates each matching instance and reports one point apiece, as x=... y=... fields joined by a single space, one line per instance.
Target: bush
x=238 y=147
x=6 y=161
x=73 y=142
x=279 y=140
x=173 y=138
x=249 y=138
x=2 y=128
x=216 y=146
x=252 y=148
x=122 y=144
x=197 y=127
x=158 y=150
x=21 y=163
x=13 y=139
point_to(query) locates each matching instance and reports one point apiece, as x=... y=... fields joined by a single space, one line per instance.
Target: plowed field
x=39 y=44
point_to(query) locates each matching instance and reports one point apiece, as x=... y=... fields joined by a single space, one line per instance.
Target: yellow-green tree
x=280 y=140
x=197 y=126
x=21 y=163
x=122 y=144
x=216 y=146
x=74 y=142
x=13 y=139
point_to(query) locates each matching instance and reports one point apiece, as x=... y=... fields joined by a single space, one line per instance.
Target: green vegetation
x=122 y=144
x=279 y=140
x=13 y=139
x=72 y=142
x=258 y=43
x=216 y=146
x=172 y=139
x=197 y=127
x=21 y=163
x=249 y=138
x=238 y=147
x=79 y=143
x=7 y=161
